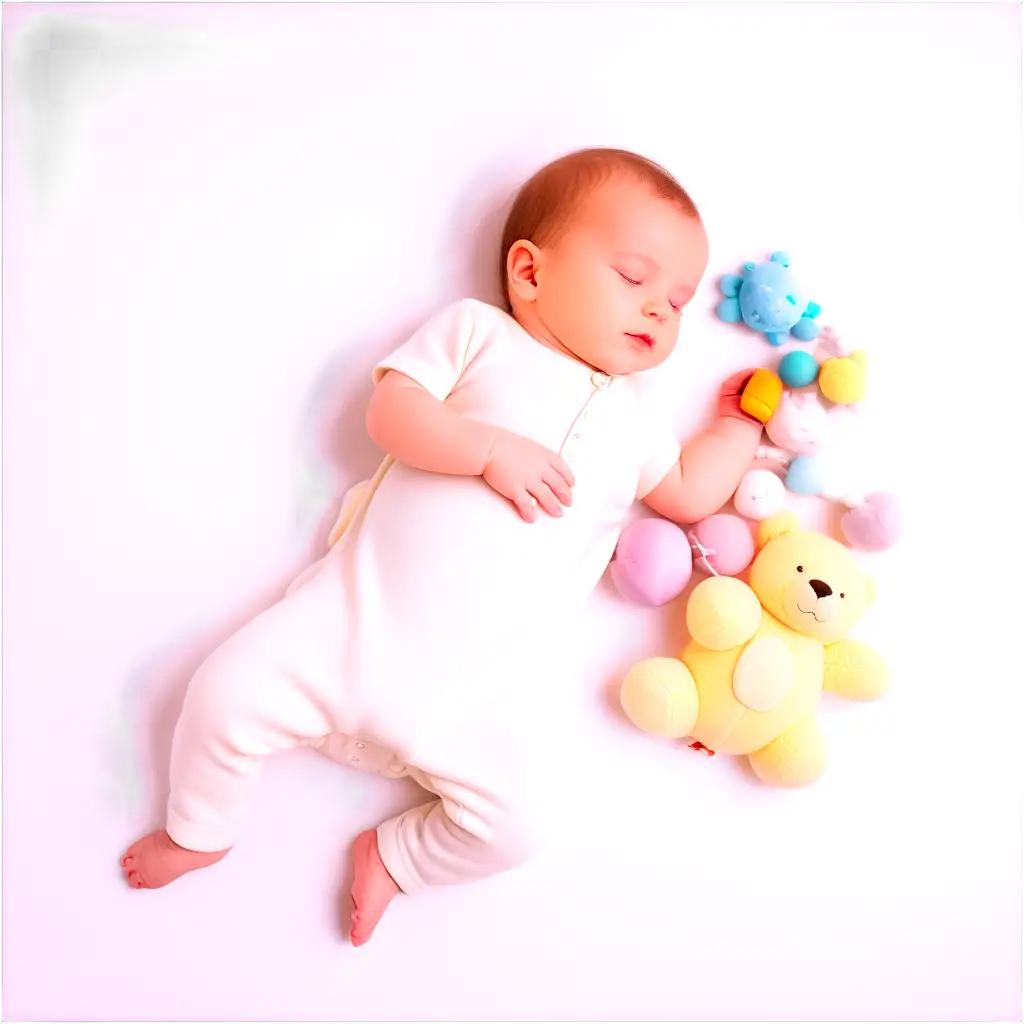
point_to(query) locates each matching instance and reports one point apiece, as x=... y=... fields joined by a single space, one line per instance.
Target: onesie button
x=360 y=745
x=575 y=437
x=602 y=380
x=353 y=758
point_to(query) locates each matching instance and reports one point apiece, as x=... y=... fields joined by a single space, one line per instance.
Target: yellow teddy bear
x=749 y=681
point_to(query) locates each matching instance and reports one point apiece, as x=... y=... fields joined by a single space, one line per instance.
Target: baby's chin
x=619 y=363
x=618 y=358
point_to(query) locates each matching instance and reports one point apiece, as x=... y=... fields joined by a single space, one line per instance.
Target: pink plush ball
x=652 y=562
x=728 y=541
x=875 y=525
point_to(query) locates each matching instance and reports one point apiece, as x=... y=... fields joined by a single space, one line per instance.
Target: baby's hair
x=544 y=206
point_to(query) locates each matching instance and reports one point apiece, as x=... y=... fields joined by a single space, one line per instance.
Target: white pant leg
x=270 y=687
x=462 y=836
x=485 y=819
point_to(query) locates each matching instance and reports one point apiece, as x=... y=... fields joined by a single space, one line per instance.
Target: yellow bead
x=762 y=395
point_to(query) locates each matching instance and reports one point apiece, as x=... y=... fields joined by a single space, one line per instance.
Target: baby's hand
x=730 y=396
x=731 y=392
x=522 y=470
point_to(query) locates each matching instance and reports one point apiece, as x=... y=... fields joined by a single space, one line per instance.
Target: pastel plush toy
x=801 y=424
x=843 y=376
x=843 y=379
x=760 y=495
x=765 y=297
x=655 y=558
x=800 y=429
x=750 y=680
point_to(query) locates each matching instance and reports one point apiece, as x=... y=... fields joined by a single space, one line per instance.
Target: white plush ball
x=801 y=423
x=760 y=494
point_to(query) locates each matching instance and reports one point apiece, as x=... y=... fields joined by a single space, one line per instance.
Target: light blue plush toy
x=766 y=299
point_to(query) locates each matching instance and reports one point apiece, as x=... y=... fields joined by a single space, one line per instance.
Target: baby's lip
x=645 y=338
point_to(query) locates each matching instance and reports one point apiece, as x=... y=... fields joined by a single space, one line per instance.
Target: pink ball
x=652 y=562
x=728 y=542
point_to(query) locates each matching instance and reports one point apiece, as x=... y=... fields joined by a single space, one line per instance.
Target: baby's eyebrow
x=685 y=290
x=652 y=264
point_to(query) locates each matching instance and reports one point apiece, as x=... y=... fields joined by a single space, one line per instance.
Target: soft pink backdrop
x=215 y=220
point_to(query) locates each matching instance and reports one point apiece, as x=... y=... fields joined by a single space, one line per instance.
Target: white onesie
x=392 y=652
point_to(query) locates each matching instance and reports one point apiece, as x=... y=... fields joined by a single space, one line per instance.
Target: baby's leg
x=468 y=833
x=489 y=786
x=442 y=842
x=243 y=704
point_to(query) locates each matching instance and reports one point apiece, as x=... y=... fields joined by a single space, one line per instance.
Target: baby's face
x=626 y=267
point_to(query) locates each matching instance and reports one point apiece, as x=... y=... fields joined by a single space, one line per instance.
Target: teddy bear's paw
x=660 y=697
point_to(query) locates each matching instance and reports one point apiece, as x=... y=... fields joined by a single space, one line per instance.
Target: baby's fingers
x=546 y=496
x=557 y=483
x=526 y=506
x=563 y=467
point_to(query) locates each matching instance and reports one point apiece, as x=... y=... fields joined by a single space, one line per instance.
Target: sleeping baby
x=517 y=439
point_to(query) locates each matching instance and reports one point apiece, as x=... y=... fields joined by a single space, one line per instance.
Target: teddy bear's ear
x=776 y=526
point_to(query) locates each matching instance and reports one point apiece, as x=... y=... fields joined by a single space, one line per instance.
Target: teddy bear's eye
x=842 y=595
x=799 y=568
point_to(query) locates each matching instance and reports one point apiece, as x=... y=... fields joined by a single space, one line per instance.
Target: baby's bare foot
x=372 y=888
x=156 y=859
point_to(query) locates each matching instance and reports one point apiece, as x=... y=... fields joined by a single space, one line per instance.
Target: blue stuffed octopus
x=766 y=299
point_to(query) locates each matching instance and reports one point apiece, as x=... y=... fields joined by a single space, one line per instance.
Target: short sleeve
x=437 y=353
x=662 y=450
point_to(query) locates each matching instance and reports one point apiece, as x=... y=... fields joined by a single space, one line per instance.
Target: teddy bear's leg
x=660 y=696
x=794 y=758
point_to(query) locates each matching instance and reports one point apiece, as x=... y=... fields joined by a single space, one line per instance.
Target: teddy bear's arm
x=855 y=671
x=722 y=613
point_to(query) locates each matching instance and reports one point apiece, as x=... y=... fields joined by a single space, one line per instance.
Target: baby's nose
x=821 y=588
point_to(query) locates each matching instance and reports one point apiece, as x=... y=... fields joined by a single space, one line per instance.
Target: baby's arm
x=419 y=430
x=712 y=464
x=412 y=425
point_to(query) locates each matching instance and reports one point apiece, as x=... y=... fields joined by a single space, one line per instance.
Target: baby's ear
x=776 y=526
x=521 y=268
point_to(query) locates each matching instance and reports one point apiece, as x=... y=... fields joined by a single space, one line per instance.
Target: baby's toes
x=135 y=880
x=131 y=854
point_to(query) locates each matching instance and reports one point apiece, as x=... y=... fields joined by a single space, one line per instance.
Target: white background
x=217 y=219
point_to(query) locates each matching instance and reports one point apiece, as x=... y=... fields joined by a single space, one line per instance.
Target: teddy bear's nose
x=821 y=588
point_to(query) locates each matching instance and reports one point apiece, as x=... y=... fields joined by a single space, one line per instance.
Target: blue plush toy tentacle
x=774 y=338
x=780 y=257
x=729 y=311
x=730 y=285
x=805 y=329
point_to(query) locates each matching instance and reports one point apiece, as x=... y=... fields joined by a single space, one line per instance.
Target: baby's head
x=601 y=245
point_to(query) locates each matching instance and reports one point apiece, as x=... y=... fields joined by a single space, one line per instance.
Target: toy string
x=702 y=554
